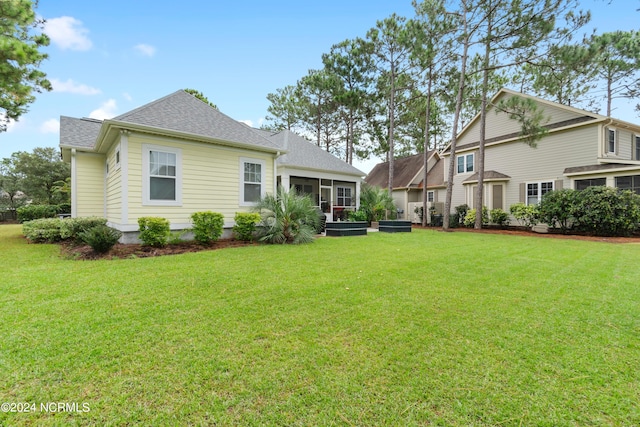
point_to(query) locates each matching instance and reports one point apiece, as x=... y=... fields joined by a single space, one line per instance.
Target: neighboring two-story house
x=580 y=149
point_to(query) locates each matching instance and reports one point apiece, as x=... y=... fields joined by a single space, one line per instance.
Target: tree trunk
x=483 y=124
x=456 y=118
x=426 y=149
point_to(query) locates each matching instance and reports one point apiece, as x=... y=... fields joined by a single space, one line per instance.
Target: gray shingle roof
x=79 y=133
x=304 y=154
x=183 y=112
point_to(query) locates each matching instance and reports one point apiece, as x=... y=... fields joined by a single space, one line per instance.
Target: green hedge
x=154 y=231
x=207 y=226
x=48 y=230
x=31 y=212
x=245 y=225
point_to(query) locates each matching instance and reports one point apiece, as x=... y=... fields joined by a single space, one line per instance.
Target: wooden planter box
x=346 y=228
x=395 y=226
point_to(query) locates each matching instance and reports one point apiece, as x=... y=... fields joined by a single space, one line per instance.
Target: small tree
x=376 y=203
x=287 y=217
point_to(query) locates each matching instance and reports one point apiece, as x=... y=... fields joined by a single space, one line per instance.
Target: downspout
x=601 y=143
x=275 y=173
x=74 y=185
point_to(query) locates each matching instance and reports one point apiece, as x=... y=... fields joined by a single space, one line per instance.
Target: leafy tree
x=617 y=62
x=318 y=91
x=464 y=38
x=431 y=48
x=201 y=97
x=11 y=195
x=285 y=111
x=351 y=63
x=390 y=46
x=287 y=217
x=564 y=76
x=38 y=174
x=20 y=57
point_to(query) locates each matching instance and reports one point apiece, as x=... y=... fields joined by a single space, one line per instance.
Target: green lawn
x=426 y=328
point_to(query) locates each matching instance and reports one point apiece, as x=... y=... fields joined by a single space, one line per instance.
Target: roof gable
x=405 y=170
x=184 y=113
x=502 y=128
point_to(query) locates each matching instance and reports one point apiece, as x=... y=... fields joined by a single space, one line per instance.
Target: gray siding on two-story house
x=575 y=152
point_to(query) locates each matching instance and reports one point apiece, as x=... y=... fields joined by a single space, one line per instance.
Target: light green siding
x=89 y=186
x=210 y=179
x=114 y=187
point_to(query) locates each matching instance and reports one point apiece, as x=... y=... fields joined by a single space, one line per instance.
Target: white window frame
x=538 y=184
x=610 y=133
x=263 y=175
x=342 y=187
x=146 y=175
x=431 y=195
x=466 y=161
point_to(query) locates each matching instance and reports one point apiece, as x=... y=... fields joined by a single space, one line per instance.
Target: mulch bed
x=120 y=250
x=519 y=231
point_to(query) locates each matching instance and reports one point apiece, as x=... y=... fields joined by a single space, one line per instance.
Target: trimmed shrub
x=43 y=230
x=470 y=218
x=359 y=215
x=31 y=212
x=101 y=238
x=527 y=215
x=557 y=208
x=207 y=226
x=154 y=231
x=499 y=217
x=245 y=225
x=71 y=228
x=606 y=211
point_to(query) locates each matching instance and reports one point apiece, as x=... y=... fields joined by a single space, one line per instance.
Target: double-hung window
x=465 y=163
x=252 y=180
x=637 y=146
x=611 y=141
x=535 y=191
x=162 y=179
x=344 y=196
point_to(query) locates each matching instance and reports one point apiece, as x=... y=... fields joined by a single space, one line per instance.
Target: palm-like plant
x=287 y=217
x=376 y=202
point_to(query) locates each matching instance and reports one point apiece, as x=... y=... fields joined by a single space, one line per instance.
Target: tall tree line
x=411 y=84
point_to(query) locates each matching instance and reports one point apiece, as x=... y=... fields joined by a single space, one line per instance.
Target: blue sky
x=108 y=57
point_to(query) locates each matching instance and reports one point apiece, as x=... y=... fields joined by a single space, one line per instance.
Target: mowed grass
x=421 y=328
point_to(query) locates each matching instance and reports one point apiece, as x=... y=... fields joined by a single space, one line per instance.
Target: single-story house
x=178 y=155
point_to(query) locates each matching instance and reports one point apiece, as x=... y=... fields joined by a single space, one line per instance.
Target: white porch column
x=285 y=181
x=357 y=195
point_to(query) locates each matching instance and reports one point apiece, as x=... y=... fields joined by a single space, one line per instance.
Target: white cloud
x=247 y=122
x=50 y=126
x=67 y=33
x=106 y=110
x=145 y=49
x=73 y=87
x=12 y=125
x=126 y=96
